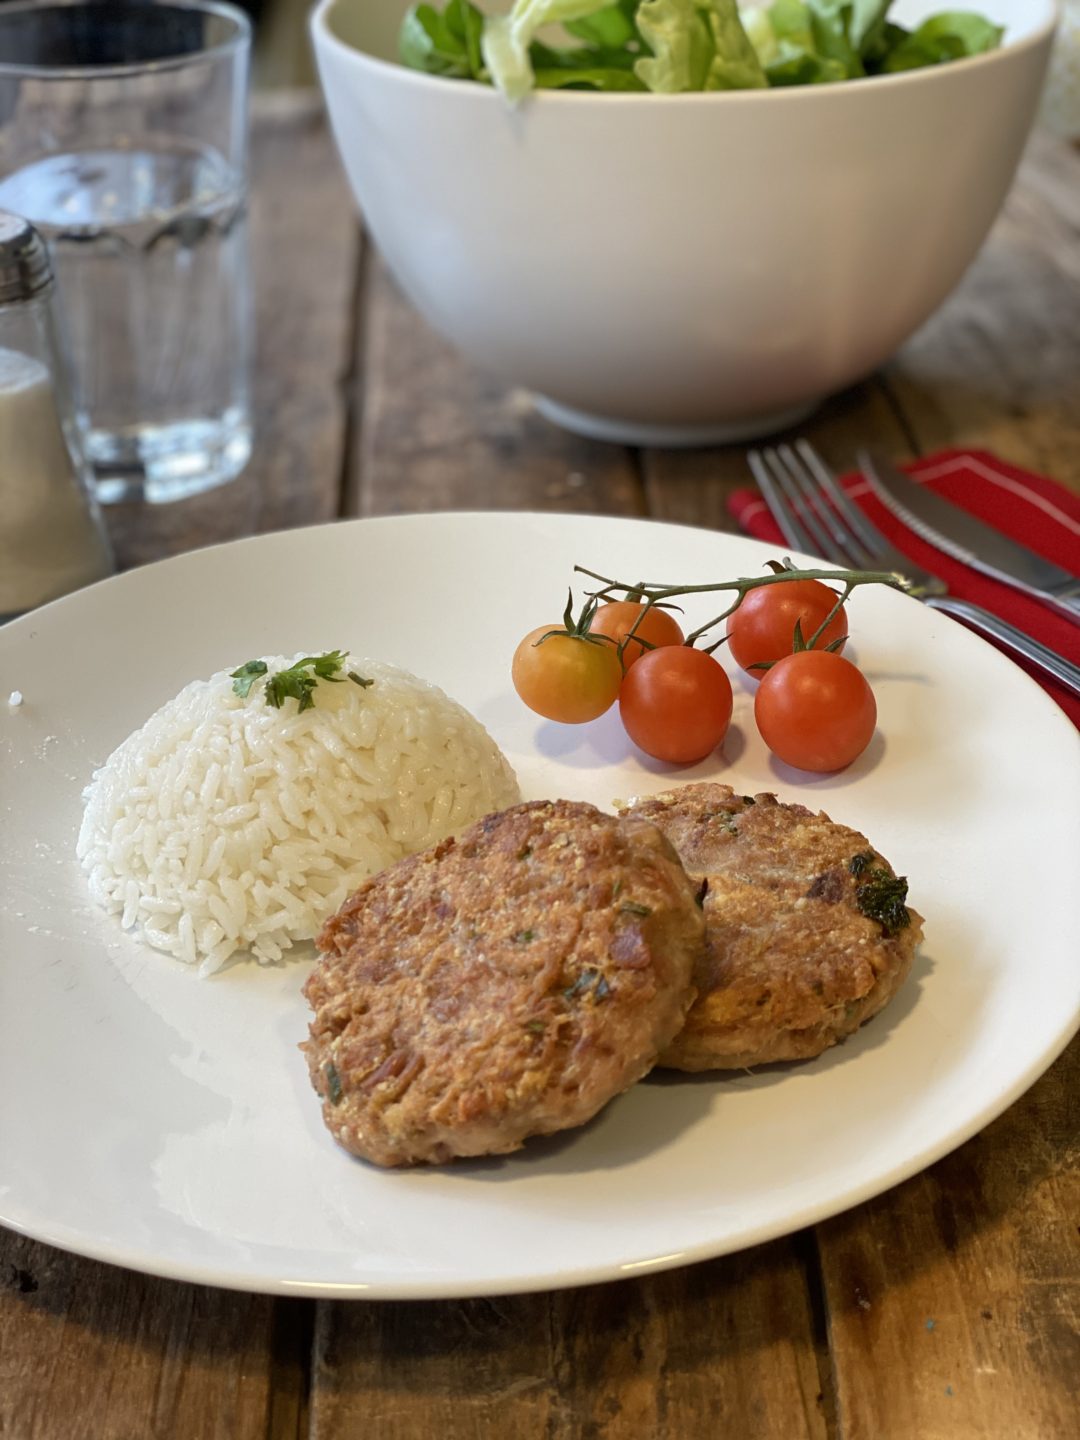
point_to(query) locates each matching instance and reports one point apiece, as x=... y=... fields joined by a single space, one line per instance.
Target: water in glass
x=150 y=253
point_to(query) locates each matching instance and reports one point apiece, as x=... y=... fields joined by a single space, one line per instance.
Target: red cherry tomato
x=762 y=629
x=676 y=703
x=656 y=628
x=815 y=710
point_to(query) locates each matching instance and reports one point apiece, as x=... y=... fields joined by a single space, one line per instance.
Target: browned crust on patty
x=791 y=964
x=506 y=984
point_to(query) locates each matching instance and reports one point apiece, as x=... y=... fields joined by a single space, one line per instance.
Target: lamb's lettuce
x=676 y=46
x=446 y=43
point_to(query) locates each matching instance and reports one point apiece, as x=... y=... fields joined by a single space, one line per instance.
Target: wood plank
x=282 y=52
x=691 y=1352
x=724 y=1348
x=976 y=1248
x=305 y=247
x=954 y=1301
x=692 y=487
x=438 y=433
x=91 y=1352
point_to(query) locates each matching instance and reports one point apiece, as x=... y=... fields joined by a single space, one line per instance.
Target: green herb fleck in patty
x=589 y=982
x=881 y=897
x=333 y=1082
x=631 y=907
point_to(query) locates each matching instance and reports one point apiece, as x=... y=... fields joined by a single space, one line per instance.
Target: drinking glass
x=123 y=139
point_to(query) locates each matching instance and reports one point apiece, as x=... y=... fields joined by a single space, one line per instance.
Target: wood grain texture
x=87 y=1350
x=954 y=1301
x=304 y=243
x=436 y=433
x=823 y=1336
x=692 y=487
x=91 y=1352
x=719 y=1349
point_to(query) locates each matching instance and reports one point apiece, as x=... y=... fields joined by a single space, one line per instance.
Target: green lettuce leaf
x=614 y=27
x=783 y=40
x=443 y=44
x=506 y=39
x=674 y=46
x=949 y=36
x=696 y=45
x=832 y=24
x=804 y=42
x=581 y=58
x=867 y=23
x=878 y=46
x=586 y=77
x=578 y=58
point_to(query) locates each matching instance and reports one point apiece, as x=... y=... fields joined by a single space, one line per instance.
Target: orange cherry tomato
x=656 y=628
x=566 y=677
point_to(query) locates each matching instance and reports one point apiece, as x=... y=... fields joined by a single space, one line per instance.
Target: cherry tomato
x=566 y=677
x=815 y=710
x=676 y=703
x=616 y=620
x=762 y=629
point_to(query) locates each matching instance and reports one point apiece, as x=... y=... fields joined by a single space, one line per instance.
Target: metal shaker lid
x=24 y=261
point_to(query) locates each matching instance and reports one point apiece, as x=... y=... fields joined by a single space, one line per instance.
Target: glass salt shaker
x=52 y=539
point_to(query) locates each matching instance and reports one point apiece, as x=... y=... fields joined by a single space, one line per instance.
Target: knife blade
x=970 y=540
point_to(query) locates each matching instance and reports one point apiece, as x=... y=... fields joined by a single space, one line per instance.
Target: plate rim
x=229 y=1276
x=577 y=1277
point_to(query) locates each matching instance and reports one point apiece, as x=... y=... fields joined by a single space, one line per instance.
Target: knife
x=971 y=541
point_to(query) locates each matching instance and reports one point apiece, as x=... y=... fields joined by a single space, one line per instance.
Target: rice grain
x=224 y=825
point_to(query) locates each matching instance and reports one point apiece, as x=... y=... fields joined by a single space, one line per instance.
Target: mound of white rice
x=226 y=825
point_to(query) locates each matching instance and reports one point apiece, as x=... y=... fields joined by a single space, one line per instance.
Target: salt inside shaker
x=51 y=536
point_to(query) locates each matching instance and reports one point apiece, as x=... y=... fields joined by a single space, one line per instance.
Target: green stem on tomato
x=841 y=601
x=654 y=593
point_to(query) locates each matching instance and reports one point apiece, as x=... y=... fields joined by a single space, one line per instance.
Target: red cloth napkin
x=1031 y=508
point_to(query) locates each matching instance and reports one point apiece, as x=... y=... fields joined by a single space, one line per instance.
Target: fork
x=815 y=515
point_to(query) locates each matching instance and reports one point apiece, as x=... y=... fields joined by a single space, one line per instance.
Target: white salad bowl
x=688 y=268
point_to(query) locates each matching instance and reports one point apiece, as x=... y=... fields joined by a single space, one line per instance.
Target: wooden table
x=946 y=1308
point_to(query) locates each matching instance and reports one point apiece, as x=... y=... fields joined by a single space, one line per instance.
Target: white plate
x=167 y=1123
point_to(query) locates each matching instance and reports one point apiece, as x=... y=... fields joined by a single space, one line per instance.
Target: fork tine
x=835 y=541
x=869 y=534
x=800 y=496
x=782 y=513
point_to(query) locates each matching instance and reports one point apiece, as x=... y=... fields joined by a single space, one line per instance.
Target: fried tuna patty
x=507 y=984
x=807 y=933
